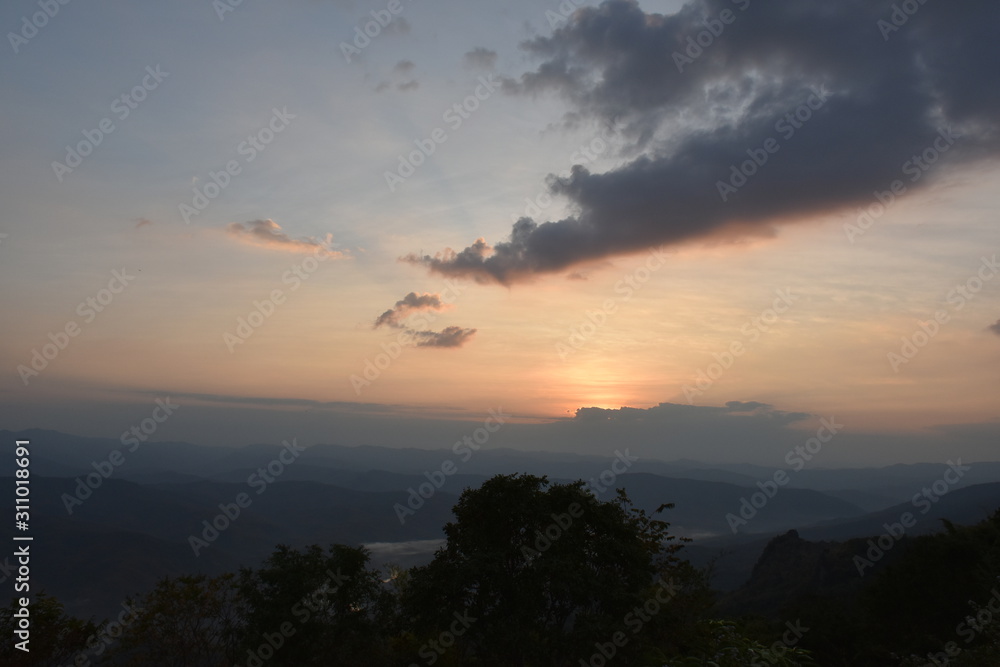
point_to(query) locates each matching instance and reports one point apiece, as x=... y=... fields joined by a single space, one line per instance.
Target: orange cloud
x=269 y=234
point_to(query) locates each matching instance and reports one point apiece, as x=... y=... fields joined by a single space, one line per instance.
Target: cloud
x=676 y=414
x=398 y=26
x=480 y=58
x=268 y=234
x=449 y=337
x=273 y=402
x=404 y=67
x=401 y=70
x=142 y=222
x=995 y=327
x=686 y=115
x=408 y=305
x=702 y=433
x=748 y=406
x=427 y=303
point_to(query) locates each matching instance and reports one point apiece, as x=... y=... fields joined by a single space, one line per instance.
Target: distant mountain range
x=144 y=520
x=737 y=555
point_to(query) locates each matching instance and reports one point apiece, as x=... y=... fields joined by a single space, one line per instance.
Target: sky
x=693 y=228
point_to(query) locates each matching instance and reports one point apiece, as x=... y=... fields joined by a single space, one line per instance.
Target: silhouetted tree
x=535 y=573
x=55 y=637
x=312 y=607
x=190 y=621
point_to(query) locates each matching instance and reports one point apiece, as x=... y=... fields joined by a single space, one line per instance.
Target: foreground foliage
x=536 y=574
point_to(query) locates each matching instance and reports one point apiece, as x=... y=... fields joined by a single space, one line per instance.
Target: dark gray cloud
x=749 y=406
x=995 y=327
x=686 y=114
x=398 y=26
x=404 y=67
x=401 y=70
x=427 y=303
x=480 y=58
x=408 y=305
x=449 y=337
